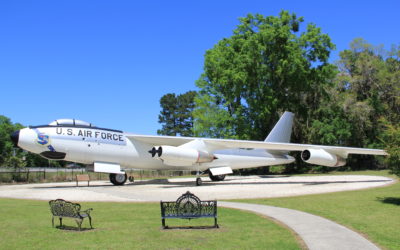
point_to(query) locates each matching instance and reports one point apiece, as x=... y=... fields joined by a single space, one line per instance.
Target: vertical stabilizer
x=282 y=130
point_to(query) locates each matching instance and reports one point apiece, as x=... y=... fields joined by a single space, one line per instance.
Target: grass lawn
x=26 y=224
x=373 y=212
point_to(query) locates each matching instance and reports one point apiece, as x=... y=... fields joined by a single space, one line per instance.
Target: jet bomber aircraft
x=113 y=151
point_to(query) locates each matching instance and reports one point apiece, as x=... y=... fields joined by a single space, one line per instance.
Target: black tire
x=131 y=178
x=198 y=181
x=216 y=177
x=112 y=178
x=118 y=179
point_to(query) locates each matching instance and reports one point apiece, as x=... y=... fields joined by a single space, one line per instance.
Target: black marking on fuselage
x=53 y=155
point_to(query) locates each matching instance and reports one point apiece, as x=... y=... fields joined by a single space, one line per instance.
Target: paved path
x=318 y=233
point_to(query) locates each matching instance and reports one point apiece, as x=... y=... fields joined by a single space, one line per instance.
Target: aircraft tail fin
x=282 y=130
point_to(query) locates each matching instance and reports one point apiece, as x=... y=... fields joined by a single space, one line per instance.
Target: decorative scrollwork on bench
x=188 y=206
x=61 y=208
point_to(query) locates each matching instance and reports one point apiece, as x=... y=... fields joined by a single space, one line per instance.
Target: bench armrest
x=87 y=211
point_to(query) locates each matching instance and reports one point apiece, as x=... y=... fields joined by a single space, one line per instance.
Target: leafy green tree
x=7 y=150
x=368 y=84
x=34 y=160
x=5 y=145
x=176 y=114
x=11 y=156
x=392 y=139
x=15 y=162
x=266 y=67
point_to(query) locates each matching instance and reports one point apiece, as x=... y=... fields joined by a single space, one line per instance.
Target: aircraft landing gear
x=220 y=177
x=198 y=181
x=118 y=179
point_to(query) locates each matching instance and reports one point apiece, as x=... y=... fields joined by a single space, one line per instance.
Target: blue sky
x=109 y=62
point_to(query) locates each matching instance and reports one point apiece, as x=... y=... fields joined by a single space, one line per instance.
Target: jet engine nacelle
x=181 y=156
x=322 y=157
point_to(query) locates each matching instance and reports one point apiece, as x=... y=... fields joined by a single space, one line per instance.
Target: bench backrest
x=82 y=177
x=190 y=206
x=61 y=207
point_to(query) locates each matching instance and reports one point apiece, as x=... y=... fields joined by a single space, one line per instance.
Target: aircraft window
x=71 y=122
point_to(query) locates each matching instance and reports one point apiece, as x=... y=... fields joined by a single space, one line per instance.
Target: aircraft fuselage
x=89 y=145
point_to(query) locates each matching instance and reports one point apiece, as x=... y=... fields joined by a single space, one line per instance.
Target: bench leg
x=163 y=223
x=52 y=221
x=90 y=221
x=215 y=223
x=60 y=221
x=79 y=222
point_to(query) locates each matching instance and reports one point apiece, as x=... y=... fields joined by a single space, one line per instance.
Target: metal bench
x=61 y=208
x=82 y=177
x=188 y=206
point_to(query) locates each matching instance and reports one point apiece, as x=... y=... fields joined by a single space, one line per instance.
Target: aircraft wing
x=161 y=140
x=273 y=146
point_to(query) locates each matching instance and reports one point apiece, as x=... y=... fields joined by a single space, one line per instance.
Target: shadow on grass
x=389 y=200
x=189 y=227
x=70 y=228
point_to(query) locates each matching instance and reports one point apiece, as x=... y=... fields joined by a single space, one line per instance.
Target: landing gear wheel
x=118 y=179
x=220 y=177
x=198 y=181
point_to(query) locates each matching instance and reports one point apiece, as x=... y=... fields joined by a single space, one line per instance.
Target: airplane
x=113 y=151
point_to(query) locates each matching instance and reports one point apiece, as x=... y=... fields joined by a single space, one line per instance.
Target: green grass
x=27 y=224
x=373 y=212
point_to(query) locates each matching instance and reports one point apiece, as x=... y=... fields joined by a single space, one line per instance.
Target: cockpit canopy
x=71 y=122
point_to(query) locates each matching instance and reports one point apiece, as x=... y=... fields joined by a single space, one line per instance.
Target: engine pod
x=322 y=157
x=183 y=156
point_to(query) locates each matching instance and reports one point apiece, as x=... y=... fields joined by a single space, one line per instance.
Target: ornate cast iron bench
x=188 y=206
x=61 y=208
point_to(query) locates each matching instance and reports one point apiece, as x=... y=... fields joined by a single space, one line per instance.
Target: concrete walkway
x=318 y=233
x=234 y=187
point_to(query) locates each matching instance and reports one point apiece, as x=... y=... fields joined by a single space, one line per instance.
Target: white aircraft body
x=113 y=151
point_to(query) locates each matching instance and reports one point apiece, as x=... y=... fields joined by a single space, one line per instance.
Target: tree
x=15 y=162
x=167 y=116
x=266 y=67
x=11 y=156
x=391 y=137
x=7 y=150
x=176 y=114
x=5 y=146
x=368 y=84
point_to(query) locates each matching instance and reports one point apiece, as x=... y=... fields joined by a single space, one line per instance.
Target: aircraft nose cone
x=15 y=137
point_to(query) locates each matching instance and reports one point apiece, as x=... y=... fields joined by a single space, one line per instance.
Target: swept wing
x=216 y=144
